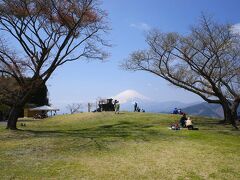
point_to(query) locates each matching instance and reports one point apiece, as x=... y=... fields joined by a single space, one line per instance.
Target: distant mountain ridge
x=128 y=98
x=206 y=109
x=154 y=106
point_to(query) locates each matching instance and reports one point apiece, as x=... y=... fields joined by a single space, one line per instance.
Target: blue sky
x=129 y=19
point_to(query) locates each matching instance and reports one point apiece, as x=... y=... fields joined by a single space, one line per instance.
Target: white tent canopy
x=44 y=108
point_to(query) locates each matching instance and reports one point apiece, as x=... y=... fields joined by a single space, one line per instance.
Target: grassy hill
x=122 y=146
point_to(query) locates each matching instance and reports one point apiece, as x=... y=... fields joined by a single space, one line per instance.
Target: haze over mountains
x=127 y=99
x=205 y=109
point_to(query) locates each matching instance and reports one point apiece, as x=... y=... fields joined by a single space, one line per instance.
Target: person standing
x=135 y=106
x=116 y=107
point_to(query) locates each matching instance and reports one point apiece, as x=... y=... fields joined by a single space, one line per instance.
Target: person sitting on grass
x=189 y=124
x=182 y=120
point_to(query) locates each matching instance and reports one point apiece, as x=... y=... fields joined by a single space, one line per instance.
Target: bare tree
x=205 y=62
x=74 y=108
x=45 y=34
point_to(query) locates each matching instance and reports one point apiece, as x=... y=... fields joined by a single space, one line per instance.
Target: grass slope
x=122 y=146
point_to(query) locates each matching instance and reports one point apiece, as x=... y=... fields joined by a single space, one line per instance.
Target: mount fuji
x=127 y=99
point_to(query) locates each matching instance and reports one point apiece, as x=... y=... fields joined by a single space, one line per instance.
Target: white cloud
x=236 y=28
x=141 y=26
x=129 y=95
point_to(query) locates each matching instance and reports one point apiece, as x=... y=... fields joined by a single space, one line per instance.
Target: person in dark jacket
x=182 y=121
x=135 y=106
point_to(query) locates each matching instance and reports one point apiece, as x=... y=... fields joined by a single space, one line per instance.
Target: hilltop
x=123 y=146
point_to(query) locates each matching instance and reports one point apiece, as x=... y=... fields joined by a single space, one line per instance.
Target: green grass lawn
x=122 y=146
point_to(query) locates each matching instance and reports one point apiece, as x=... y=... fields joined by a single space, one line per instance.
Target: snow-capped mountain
x=127 y=99
x=130 y=96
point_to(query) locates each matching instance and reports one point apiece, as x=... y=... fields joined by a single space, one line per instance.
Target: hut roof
x=44 y=108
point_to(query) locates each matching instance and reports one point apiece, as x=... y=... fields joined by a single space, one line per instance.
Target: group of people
x=137 y=108
x=177 y=111
x=185 y=122
x=117 y=107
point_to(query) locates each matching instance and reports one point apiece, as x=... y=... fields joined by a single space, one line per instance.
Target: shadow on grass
x=30 y=120
x=122 y=130
x=100 y=137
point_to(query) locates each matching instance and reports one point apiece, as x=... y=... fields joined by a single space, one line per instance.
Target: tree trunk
x=13 y=117
x=16 y=109
x=230 y=115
